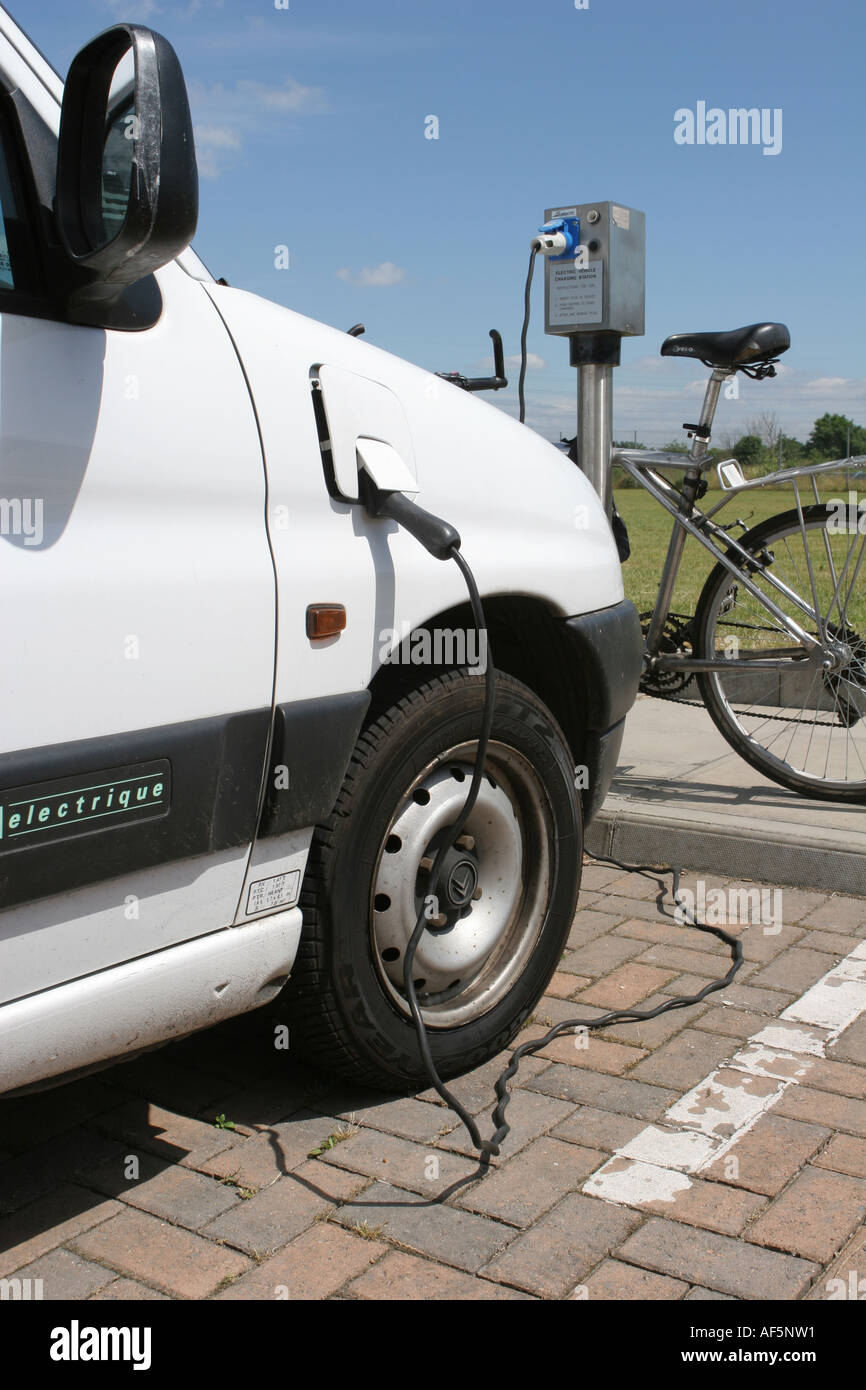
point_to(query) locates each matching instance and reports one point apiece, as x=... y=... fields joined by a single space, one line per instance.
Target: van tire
x=345 y=1012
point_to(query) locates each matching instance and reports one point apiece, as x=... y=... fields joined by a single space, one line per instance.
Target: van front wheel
x=510 y=886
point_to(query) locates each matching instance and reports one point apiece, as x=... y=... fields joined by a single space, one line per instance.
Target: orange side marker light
x=325 y=620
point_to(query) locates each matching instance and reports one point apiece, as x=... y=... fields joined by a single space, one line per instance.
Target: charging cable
x=442 y=541
x=550 y=241
x=527 y=304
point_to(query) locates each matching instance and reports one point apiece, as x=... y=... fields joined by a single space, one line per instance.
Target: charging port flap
x=385 y=466
x=364 y=415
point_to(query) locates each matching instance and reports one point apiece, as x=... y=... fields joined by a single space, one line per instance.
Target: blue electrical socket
x=570 y=228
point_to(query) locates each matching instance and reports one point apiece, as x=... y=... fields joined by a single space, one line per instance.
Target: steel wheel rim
x=471 y=964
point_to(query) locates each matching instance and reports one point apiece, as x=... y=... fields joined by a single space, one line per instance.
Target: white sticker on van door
x=267 y=893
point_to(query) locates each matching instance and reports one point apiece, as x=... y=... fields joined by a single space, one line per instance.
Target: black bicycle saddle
x=759 y=342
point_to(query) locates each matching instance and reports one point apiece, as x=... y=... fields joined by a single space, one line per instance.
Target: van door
x=137 y=614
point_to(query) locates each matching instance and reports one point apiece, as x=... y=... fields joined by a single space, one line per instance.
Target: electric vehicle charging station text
x=594 y=294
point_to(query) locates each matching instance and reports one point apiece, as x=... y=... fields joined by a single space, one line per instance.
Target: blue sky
x=311 y=134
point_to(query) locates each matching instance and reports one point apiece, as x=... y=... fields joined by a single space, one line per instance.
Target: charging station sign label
x=576 y=293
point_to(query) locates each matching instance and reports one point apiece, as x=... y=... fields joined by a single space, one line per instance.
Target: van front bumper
x=608 y=648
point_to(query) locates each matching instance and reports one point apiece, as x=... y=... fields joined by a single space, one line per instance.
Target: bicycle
x=801 y=682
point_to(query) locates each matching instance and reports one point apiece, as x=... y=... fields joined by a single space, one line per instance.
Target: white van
x=237 y=708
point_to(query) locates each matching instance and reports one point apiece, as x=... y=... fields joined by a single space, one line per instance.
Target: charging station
x=594 y=295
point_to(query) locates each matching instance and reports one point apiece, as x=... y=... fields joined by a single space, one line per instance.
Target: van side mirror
x=127 y=182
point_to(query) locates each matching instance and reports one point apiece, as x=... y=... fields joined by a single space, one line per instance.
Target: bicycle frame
x=689 y=520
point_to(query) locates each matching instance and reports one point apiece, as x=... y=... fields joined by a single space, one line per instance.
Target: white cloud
x=375 y=277
x=251 y=101
x=212 y=144
x=291 y=96
x=144 y=9
x=658 y=365
x=654 y=405
x=533 y=361
x=835 y=386
x=226 y=116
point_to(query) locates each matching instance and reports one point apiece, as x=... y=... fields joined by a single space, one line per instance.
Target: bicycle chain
x=699 y=704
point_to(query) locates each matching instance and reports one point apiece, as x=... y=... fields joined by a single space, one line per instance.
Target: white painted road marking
x=837 y=999
x=697 y=1130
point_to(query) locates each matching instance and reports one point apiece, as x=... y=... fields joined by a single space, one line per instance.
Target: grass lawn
x=650 y=526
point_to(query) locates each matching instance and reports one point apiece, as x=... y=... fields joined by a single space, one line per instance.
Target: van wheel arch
x=528 y=641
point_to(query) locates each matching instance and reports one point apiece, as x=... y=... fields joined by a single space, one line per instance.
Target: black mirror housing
x=161 y=213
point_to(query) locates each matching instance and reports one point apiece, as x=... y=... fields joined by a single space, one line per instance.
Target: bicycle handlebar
x=482 y=383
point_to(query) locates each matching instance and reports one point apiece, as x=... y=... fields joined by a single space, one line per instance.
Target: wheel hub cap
x=461 y=883
x=480 y=885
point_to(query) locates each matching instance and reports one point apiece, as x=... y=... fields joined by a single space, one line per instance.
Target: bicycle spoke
x=800 y=720
x=797 y=726
x=843 y=611
x=809 y=566
x=829 y=555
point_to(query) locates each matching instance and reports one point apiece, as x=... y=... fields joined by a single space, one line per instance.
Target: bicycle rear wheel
x=803 y=726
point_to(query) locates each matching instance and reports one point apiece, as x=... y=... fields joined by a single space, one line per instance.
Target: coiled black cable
x=490 y=1148
x=453 y=835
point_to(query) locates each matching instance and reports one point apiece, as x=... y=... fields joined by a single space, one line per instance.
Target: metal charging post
x=594 y=294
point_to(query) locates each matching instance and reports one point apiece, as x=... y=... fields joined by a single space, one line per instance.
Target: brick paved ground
x=122 y=1186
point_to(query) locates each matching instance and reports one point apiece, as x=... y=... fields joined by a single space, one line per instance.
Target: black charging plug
x=438 y=537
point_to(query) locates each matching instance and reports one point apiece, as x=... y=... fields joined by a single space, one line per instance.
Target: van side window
x=8 y=222
x=21 y=290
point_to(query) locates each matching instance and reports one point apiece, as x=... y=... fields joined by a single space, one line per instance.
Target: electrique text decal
x=75 y=805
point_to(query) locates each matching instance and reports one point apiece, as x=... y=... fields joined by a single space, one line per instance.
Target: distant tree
x=829 y=437
x=725 y=439
x=766 y=426
x=749 y=450
x=793 y=451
